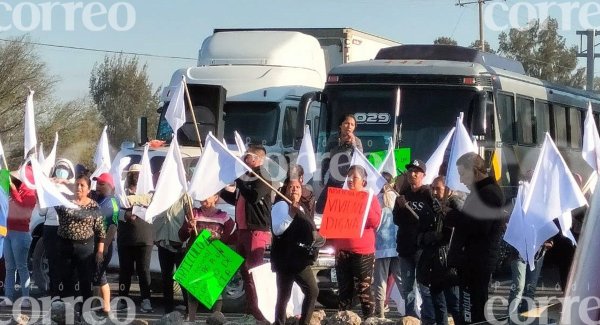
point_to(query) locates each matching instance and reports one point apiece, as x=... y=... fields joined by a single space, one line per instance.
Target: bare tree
x=121 y=91
x=21 y=69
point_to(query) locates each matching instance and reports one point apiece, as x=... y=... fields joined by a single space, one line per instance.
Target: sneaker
x=5 y=302
x=146 y=307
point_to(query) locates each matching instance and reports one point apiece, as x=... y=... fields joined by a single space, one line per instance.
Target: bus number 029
x=372 y=118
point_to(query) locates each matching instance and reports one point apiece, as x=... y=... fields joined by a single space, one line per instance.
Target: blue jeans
x=16 y=251
x=408 y=266
x=524 y=282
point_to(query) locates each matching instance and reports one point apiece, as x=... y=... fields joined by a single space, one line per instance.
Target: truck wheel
x=40 y=268
x=234 y=296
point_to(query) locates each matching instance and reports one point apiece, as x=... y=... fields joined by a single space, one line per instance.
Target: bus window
x=575 y=128
x=506 y=117
x=289 y=123
x=542 y=121
x=560 y=125
x=525 y=121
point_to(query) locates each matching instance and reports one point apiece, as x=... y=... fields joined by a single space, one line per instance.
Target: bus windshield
x=257 y=121
x=426 y=114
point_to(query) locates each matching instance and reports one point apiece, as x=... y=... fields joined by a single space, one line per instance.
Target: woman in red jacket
x=17 y=241
x=355 y=257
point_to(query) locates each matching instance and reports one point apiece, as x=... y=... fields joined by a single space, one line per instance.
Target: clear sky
x=177 y=27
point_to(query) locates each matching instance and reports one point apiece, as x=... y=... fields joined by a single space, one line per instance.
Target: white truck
x=254 y=79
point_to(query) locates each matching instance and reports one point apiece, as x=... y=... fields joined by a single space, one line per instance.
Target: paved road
x=547 y=287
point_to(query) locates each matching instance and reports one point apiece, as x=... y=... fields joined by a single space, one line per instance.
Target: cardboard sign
x=207 y=268
x=345 y=213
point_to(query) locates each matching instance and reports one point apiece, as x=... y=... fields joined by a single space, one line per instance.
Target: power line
x=100 y=50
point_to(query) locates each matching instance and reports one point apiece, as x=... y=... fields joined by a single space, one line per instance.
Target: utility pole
x=480 y=4
x=589 y=53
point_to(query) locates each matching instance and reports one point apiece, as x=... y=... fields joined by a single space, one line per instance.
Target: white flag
x=171 y=183
x=553 y=194
x=437 y=159
x=216 y=168
x=375 y=181
x=117 y=174
x=591 y=141
x=461 y=144
x=518 y=229
x=145 y=184
x=102 y=154
x=306 y=156
x=389 y=162
x=239 y=142
x=50 y=160
x=30 y=134
x=266 y=280
x=101 y=157
x=2 y=155
x=47 y=192
x=175 y=114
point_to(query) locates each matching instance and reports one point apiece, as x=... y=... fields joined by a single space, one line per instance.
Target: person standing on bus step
x=252 y=202
x=292 y=253
x=413 y=204
x=340 y=149
x=355 y=257
x=135 y=239
x=109 y=208
x=18 y=239
x=477 y=233
x=220 y=226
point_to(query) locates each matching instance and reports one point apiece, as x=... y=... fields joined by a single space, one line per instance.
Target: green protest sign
x=401 y=155
x=207 y=268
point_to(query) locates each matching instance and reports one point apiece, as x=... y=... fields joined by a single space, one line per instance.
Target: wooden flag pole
x=189 y=100
x=271 y=186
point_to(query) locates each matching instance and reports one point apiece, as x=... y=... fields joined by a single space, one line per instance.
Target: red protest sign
x=345 y=213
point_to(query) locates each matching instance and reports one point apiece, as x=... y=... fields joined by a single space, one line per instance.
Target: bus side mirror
x=303 y=107
x=478 y=116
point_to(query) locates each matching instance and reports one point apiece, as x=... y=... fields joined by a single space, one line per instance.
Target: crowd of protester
x=423 y=238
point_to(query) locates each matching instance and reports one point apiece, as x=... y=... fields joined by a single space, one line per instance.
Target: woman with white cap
x=63 y=175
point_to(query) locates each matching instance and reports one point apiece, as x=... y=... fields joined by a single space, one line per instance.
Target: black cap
x=417 y=163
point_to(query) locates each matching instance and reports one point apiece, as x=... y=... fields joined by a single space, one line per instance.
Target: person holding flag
x=412 y=209
x=220 y=226
x=292 y=252
x=80 y=233
x=475 y=244
x=18 y=239
x=252 y=202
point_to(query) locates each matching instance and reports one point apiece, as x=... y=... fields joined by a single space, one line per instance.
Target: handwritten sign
x=207 y=268
x=345 y=213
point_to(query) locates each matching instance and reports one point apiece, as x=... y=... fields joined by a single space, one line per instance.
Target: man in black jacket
x=477 y=232
x=252 y=202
